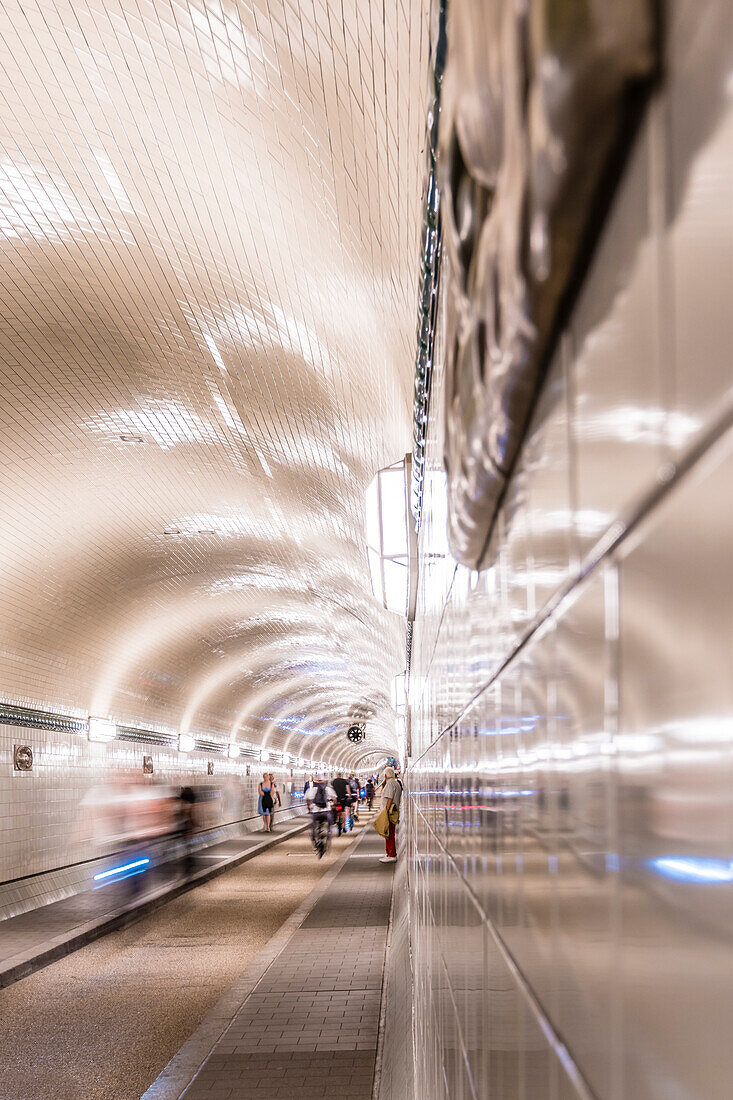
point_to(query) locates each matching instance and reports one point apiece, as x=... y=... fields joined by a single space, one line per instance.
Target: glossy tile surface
x=674 y=759
x=572 y=707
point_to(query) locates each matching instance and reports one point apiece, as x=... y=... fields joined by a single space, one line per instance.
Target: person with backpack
x=319 y=798
x=369 y=792
x=353 y=797
x=341 y=787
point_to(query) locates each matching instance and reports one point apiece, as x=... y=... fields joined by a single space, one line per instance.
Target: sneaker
x=388 y=859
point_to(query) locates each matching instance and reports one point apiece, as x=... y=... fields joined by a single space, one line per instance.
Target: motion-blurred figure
x=320 y=798
x=341 y=802
x=353 y=798
x=187 y=800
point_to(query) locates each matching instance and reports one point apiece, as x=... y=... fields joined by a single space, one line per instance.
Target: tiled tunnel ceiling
x=209 y=222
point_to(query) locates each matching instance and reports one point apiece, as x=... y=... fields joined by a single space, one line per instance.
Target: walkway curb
x=25 y=963
x=379 y=1056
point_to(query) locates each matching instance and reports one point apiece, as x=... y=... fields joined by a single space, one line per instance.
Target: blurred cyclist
x=354 y=797
x=320 y=797
x=341 y=788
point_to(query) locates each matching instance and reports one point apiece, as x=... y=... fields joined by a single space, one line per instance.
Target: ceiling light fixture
x=234 y=750
x=399 y=694
x=101 y=729
x=186 y=743
x=391 y=539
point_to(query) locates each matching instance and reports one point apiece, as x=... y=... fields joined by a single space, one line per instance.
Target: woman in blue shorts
x=265 y=804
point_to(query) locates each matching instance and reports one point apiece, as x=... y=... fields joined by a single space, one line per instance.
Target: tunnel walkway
x=305 y=1019
x=106 y=1019
x=38 y=937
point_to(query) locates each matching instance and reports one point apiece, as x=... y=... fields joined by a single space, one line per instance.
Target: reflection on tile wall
x=569 y=824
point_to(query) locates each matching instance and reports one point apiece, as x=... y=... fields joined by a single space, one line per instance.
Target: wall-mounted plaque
x=209 y=767
x=147 y=765
x=23 y=758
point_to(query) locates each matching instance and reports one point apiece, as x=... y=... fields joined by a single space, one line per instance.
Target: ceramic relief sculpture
x=538 y=103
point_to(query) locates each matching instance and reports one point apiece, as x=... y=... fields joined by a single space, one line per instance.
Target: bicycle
x=339 y=813
x=321 y=834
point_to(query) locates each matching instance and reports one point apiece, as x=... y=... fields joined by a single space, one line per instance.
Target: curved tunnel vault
x=205 y=354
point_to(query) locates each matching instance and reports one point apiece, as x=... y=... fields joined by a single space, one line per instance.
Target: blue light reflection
x=693 y=869
x=126 y=869
x=293 y=724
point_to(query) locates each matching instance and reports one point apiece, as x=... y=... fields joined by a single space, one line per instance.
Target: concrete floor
x=103 y=1022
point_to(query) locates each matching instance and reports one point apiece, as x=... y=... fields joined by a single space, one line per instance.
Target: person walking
x=275 y=791
x=391 y=799
x=320 y=797
x=341 y=788
x=354 y=797
x=187 y=826
x=369 y=792
x=265 y=802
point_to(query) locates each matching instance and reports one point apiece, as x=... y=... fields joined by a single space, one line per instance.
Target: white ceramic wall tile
x=577 y=809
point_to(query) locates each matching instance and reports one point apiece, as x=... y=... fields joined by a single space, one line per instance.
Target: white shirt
x=310 y=795
x=393 y=790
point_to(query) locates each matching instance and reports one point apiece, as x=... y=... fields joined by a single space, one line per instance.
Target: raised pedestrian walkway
x=38 y=937
x=304 y=1019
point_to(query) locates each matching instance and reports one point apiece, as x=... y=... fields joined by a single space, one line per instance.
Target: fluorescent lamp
x=395 y=584
x=234 y=750
x=394 y=515
x=399 y=693
x=375 y=572
x=391 y=539
x=186 y=743
x=373 y=531
x=102 y=729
